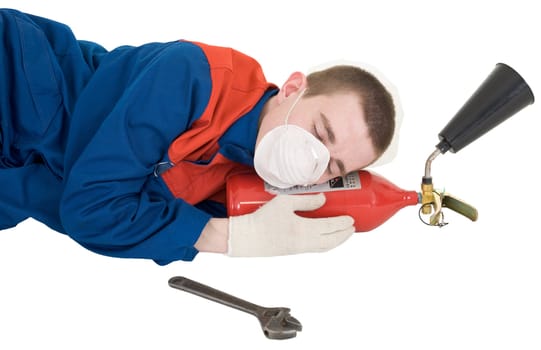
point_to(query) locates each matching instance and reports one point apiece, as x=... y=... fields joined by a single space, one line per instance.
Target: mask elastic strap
x=293 y=105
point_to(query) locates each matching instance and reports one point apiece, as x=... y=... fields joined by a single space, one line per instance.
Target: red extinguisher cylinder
x=367 y=197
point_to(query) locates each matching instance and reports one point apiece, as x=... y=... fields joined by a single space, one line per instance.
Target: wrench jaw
x=277 y=323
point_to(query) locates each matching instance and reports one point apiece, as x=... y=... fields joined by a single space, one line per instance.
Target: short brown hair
x=376 y=101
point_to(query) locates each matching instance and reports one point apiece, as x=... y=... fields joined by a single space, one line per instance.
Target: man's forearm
x=214 y=237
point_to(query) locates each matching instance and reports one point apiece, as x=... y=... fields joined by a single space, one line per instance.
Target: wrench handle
x=215 y=295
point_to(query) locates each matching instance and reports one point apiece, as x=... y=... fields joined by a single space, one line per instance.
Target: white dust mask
x=288 y=155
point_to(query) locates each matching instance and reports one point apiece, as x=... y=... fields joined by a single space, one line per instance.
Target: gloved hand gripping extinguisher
x=370 y=198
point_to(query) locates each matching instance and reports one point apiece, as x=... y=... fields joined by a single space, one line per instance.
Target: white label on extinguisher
x=341 y=183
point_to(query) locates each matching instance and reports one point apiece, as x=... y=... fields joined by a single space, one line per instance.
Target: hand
x=275 y=229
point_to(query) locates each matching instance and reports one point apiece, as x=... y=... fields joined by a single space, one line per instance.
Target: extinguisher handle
x=460 y=207
x=445 y=200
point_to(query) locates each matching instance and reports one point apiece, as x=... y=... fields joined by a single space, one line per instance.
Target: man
x=128 y=151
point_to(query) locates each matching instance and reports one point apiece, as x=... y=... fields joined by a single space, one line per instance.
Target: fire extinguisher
x=366 y=196
x=370 y=198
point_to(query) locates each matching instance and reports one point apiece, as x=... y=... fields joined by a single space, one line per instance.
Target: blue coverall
x=80 y=124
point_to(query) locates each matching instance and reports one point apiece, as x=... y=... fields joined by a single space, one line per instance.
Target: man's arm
x=214 y=236
x=138 y=101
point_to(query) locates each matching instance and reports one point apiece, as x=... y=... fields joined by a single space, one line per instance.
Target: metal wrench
x=276 y=322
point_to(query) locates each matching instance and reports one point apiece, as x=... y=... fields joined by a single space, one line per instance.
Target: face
x=336 y=120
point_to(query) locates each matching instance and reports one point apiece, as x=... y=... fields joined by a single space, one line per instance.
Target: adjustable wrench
x=276 y=322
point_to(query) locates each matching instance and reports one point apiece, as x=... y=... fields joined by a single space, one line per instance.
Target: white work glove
x=275 y=229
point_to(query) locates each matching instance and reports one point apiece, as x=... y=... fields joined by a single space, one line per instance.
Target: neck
x=269 y=105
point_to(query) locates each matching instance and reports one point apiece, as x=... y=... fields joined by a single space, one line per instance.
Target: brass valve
x=427 y=197
x=432 y=201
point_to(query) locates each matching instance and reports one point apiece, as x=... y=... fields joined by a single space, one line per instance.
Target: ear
x=294 y=84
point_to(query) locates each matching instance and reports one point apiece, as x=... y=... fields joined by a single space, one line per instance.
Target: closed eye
x=318 y=136
x=328 y=128
x=338 y=163
x=315 y=133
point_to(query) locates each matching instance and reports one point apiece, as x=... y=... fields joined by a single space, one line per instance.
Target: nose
x=324 y=178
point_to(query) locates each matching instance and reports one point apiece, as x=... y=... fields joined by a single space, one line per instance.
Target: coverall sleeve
x=137 y=103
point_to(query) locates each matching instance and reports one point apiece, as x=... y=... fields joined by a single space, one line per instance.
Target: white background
x=402 y=285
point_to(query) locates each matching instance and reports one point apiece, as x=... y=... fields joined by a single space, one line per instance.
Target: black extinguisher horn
x=503 y=93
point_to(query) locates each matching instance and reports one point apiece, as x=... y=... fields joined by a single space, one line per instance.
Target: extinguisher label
x=351 y=181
